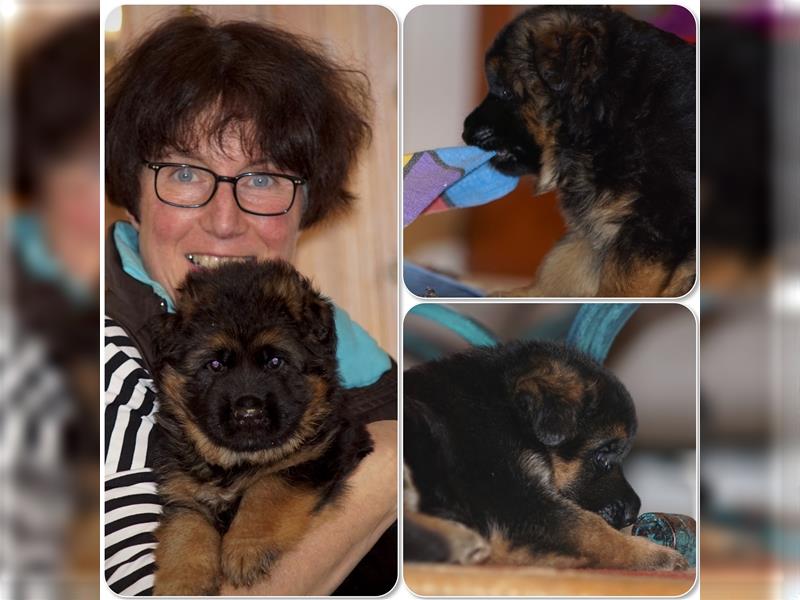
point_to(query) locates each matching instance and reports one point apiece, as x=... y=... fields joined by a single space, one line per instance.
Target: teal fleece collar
x=29 y=241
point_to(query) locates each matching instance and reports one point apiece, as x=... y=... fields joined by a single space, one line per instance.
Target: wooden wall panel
x=354 y=260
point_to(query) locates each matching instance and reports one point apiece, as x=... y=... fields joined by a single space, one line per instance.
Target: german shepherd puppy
x=254 y=439
x=601 y=107
x=513 y=456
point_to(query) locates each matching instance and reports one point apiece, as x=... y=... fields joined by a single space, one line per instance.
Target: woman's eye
x=261 y=181
x=216 y=365
x=184 y=175
x=275 y=362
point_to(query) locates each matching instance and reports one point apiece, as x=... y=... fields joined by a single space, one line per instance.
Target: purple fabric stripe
x=423 y=183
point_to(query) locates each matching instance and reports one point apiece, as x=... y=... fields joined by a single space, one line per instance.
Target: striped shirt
x=37 y=492
x=132 y=504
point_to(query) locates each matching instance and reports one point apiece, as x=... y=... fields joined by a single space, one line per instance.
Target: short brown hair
x=190 y=78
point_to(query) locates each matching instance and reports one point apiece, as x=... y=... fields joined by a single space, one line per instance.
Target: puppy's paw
x=245 y=561
x=467 y=547
x=652 y=556
x=188 y=579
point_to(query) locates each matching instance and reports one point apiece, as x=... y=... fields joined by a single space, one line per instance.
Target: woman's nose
x=222 y=217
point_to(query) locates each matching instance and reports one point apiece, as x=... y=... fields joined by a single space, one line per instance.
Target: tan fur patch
x=269 y=337
x=318 y=407
x=272 y=517
x=287 y=289
x=569 y=269
x=605 y=218
x=171 y=387
x=553 y=375
x=284 y=455
x=565 y=472
x=505 y=554
x=604 y=547
x=536 y=467
x=637 y=279
x=187 y=556
x=410 y=493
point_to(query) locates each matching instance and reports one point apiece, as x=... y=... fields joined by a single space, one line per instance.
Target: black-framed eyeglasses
x=258 y=193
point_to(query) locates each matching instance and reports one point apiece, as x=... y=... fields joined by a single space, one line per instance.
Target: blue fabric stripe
x=596 y=325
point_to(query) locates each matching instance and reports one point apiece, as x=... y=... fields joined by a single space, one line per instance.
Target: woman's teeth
x=208 y=261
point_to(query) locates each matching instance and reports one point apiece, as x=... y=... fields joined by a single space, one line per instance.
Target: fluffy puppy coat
x=513 y=456
x=602 y=107
x=254 y=436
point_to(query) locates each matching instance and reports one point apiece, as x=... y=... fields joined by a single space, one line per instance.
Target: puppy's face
x=248 y=360
x=584 y=421
x=541 y=69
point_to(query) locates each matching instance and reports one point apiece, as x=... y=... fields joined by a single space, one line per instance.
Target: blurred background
x=352 y=260
x=654 y=356
x=499 y=245
x=49 y=358
x=750 y=299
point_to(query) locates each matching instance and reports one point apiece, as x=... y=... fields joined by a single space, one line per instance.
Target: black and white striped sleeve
x=132 y=505
x=37 y=504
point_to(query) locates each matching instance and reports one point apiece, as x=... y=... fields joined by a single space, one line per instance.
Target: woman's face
x=169 y=235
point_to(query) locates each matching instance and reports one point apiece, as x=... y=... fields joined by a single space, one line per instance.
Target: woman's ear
x=132 y=220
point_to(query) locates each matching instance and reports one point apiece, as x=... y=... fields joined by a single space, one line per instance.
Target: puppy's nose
x=249 y=408
x=631 y=511
x=477 y=136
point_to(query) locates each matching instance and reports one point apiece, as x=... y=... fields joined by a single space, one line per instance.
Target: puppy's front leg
x=605 y=547
x=272 y=517
x=187 y=555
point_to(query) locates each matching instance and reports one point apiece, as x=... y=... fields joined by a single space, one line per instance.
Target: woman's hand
x=341 y=538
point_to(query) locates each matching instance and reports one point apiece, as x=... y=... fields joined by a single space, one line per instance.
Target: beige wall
x=353 y=261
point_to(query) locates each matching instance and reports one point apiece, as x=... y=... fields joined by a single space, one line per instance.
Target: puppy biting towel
x=458 y=177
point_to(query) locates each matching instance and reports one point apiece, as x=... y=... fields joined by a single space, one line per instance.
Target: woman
x=207 y=104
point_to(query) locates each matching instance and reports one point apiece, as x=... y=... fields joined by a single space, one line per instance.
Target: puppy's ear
x=318 y=315
x=162 y=329
x=550 y=398
x=570 y=57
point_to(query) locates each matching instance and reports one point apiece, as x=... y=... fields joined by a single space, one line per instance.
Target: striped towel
x=436 y=180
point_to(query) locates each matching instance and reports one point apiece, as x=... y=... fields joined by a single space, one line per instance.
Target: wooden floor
x=450 y=580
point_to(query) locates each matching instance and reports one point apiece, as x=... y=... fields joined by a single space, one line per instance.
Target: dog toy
x=672 y=530
x=444 y=178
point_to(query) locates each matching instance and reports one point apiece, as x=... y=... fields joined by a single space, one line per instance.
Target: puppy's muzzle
x=623 y=512
x=477 y=130
x=250 y=410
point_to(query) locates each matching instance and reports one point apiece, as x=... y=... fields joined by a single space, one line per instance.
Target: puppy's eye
x=274 y=362
x=216 y=365
x=604 y=459
x=505 y=93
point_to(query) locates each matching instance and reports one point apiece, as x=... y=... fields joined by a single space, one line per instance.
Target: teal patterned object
x=675 y=531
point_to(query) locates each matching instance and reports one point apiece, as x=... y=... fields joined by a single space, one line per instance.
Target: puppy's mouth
x=211 y=261
x=514 y=161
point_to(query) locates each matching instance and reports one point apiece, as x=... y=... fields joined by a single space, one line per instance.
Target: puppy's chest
x=216 y=494
x=596 y=216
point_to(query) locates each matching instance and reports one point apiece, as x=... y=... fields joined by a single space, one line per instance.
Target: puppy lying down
x=513 y=457
x=254 y=439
